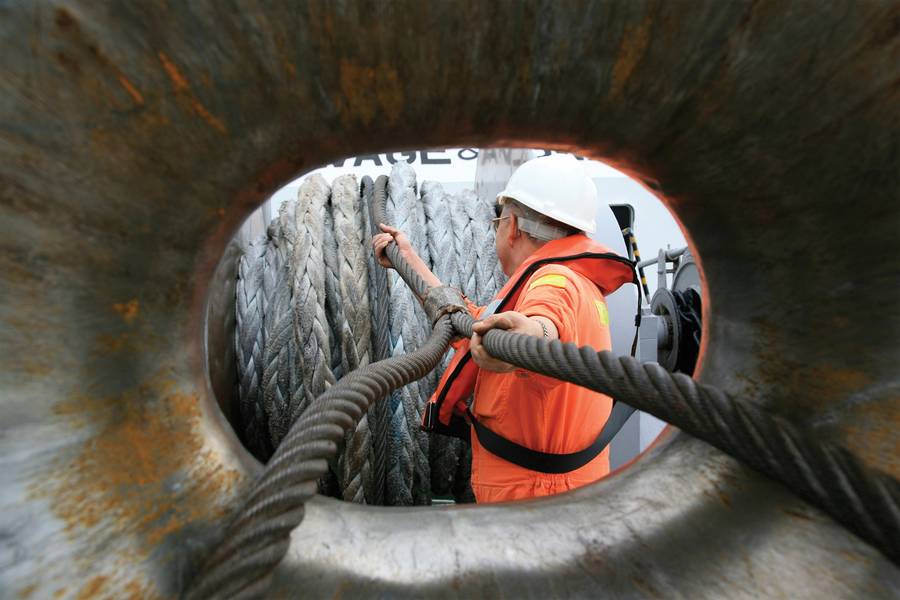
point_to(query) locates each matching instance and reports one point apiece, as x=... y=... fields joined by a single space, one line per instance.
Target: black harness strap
x=545 y=462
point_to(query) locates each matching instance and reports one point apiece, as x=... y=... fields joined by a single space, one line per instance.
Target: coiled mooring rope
x=354 y=330
x=279 y=351
x=250 y=344
x=381 y=346
x=408 y=475
x=447 y=455
x=257 y=538
x=487 y=280
x=311 y=327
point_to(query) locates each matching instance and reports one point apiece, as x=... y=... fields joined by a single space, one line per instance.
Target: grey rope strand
x=484 y=248
x=445 y=452
x=310 y=320
x=409 y=479
x=463 y=244
x=279 y=351
x=258 y=537
x=381 y=347
x=250 y=345
x=355 y=466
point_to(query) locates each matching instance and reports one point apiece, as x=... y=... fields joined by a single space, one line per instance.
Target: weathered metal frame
x=134 y=139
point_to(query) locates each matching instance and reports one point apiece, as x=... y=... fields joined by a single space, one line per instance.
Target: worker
x=531 y=435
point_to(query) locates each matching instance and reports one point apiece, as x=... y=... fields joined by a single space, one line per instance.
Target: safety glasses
x=498 y=210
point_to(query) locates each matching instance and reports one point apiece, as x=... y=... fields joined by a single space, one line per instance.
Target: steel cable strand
x=278 y=355
x=354 y=335
x=409 y=478
x=381 y=348
x=444 y=452
x=864 y=500
x=249 y=345
x=257 y=538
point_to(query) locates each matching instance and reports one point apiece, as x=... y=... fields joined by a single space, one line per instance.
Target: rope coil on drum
x=354 y=331
x=864 y=500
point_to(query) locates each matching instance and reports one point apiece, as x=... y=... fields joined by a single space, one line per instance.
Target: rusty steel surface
x=134 y=139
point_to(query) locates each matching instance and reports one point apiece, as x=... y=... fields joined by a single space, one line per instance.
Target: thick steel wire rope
x=408 y=476
x=354 y=333
x=250 y=345
x=381 y=347
x=444 y=452
x=257 y=538
x=278 y=356
x=864 y=500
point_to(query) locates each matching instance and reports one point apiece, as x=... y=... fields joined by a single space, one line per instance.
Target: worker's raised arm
x=380 y=243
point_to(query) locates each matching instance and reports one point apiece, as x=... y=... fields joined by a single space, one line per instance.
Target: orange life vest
x=583 y=256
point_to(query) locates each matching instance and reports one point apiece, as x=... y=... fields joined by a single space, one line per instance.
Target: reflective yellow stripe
x=554 y=280
x=604 y=313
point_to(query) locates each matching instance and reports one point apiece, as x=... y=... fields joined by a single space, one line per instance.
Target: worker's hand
x=511 y=321
x=380 y=243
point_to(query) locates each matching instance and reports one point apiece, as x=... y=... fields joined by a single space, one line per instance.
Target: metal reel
x=663 y=304
x=138 y=136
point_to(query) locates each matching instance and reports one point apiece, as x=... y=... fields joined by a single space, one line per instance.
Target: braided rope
x=354 y=335
x=279 y=352
x=258 y=537
x=311 y=327
x=493 y=278
x=463 y=243
x=408 y=476
x=381 y=348
x=483 y=248
x=334 y=304
x=249 y=345
x=444 y=453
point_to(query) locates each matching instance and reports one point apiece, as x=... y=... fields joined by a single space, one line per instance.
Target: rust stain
x=36 y=369
x=635 y=40
x=366 y=89
x=107 y=344
x=25 y=593
x=178 y=81
x=132 y=91
x=183 y=89
x=145 y=474
x=63 y=18
x=128 y=310
x=208 y=116
x=92 y=588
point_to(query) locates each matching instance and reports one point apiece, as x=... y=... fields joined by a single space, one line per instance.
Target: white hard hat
x=557 y=187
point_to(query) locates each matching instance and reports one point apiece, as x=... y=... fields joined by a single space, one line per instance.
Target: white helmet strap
x=541 y=231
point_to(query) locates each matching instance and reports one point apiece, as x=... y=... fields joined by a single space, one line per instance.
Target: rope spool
x=103 y=301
